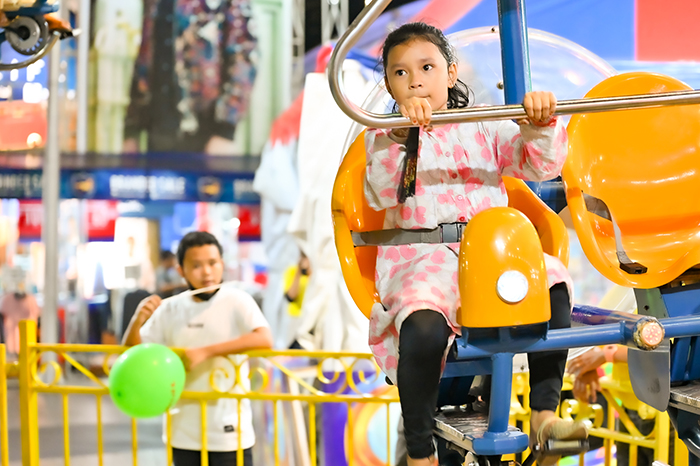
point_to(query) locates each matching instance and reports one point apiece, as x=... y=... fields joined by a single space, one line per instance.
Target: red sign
x=250 y=222
x=101 y=218
x=31 y=216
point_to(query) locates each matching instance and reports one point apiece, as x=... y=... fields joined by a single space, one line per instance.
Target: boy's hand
x=418 y=110
x=146 y=307
x=586 y=362
x=194 y=357
x=540 y=107
x=586 y=387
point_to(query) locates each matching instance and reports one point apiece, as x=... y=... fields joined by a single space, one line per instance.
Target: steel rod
x=50 y=202
x=81 y=133
x=53 y=39
x=499 y=112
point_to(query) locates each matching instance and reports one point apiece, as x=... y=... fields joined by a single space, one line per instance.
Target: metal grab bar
x=497 y=112
x=53 y=38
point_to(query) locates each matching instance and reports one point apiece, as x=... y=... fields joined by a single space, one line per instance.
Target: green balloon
x=146 y=380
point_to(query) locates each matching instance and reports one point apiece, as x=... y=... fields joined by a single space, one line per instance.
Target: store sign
x=155 y=188
x=20 y=184
x=142 y=185
x=243 y=189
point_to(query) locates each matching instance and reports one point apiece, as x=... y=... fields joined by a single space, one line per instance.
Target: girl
x=458 y=174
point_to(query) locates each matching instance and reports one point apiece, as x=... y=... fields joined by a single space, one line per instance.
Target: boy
x=209 y=325
x=168 y=280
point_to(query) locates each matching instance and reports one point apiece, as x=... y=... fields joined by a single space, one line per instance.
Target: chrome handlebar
x=497 y=112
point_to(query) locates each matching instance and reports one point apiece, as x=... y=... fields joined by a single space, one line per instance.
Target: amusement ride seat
x=351 y=213
x=632 y=184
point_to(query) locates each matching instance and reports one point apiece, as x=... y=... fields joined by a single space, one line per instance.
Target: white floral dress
x=459 y=174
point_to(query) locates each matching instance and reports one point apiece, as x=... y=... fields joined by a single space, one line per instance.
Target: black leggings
x=216 y=458
x=422 y=343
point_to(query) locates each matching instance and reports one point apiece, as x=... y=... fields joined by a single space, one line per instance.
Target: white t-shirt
x=184 y=323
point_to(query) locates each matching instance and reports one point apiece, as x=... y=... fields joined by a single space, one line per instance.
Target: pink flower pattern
x=459 y=175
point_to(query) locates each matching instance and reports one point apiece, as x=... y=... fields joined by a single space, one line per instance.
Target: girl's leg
x=422 y=343
x=546 y=375
x=547 y=367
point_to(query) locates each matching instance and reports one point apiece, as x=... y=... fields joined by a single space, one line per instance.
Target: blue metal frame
x=498 y=439
x=515 y=63
x=515 y=55
x=499 y=408
x=685 y=352
x=591 y=315
x=560 y=339
x=479 y=354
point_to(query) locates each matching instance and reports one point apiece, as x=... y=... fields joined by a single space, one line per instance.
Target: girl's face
x=418 y=69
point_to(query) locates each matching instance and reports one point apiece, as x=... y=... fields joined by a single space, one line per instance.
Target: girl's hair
x=457 y=95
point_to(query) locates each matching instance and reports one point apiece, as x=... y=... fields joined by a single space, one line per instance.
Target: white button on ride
x=512 y=286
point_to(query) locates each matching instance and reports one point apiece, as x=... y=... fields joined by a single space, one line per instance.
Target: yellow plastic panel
x=352 y=213
x=550 y=227
x=644 y=164
x=495 y=241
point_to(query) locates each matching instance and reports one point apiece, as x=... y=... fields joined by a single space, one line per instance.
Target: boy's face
x=202 y=266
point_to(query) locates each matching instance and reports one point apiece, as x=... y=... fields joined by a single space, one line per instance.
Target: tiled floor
x=82 y=410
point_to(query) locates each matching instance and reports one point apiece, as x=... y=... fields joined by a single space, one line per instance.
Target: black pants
x=422 y=344
x=216 y=458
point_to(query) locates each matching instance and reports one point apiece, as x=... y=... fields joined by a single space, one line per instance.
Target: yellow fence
x=331 y=378
x=344 y=372
x=4 y=430
x=657 y=440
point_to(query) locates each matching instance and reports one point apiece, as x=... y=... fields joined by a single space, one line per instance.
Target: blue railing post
x=515 y=55
x=502 y=381
x=515 y=58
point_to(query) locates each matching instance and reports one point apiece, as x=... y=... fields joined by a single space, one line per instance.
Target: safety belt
x=444 y=233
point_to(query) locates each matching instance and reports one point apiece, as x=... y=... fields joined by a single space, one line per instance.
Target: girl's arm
x=534 y=152
x=386 y=150
x=529 y=152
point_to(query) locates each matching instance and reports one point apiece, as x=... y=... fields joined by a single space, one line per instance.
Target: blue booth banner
x=131 y=184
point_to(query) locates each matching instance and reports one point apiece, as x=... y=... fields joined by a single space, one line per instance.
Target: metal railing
x=341 y=373
x=604 y=427
x=498 y=112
